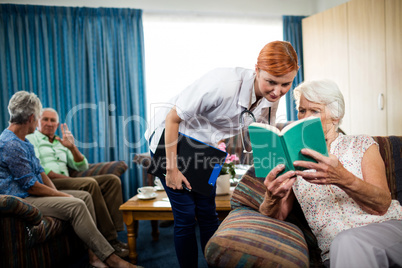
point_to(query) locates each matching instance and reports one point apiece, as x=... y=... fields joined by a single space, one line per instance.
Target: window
x=181 y=48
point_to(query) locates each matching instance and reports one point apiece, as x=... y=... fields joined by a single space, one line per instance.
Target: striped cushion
x=246 y=238
x=249 y=191
x=115 y=167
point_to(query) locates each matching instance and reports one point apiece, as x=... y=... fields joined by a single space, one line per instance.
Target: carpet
x=161 y=253
x=151 y=254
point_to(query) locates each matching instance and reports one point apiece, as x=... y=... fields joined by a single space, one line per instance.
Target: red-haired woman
x=210 y=110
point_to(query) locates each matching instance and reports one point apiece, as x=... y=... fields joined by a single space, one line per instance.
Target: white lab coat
x=211 y=106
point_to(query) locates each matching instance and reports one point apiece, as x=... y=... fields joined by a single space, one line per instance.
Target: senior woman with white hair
x=344 y=197
x=21 y=175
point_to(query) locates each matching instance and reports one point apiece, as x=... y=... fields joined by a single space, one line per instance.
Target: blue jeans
x=188 y=208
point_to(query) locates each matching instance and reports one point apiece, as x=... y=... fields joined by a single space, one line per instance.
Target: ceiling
x=250 y=8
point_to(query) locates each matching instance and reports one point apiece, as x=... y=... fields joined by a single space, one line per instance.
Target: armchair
x=28 y=239
x=246 y=238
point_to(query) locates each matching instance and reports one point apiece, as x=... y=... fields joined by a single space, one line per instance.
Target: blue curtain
x=86 y=63
x=292 y=32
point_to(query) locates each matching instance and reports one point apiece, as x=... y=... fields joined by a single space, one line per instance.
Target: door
x=393 y=42
x=367 y=68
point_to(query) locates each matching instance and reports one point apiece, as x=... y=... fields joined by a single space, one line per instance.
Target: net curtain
x=88 y=64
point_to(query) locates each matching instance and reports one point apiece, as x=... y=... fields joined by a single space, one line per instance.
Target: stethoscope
x=241 y=123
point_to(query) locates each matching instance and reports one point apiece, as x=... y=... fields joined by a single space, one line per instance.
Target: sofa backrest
x=391 y=153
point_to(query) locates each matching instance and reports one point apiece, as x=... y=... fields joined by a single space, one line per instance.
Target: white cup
x=158 y=183
x=146 y=191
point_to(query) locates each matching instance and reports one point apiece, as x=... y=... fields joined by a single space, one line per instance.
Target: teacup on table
x=158 y=184
x=147 y=191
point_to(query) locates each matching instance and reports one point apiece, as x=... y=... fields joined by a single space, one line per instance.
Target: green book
x=272 y=147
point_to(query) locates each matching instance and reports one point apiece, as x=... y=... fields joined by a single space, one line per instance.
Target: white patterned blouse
x=327 y=208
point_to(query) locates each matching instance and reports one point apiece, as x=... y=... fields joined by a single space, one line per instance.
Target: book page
x=301 y=121
x=307 y=134
x=267 y=126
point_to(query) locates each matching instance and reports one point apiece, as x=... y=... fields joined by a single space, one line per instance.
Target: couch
x=246 y=238
x=28 y=239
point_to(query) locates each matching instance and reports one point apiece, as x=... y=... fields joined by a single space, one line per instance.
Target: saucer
x=141 y=196
x=157 y=188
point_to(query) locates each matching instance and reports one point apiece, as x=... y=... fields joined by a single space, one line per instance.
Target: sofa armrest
x=115 y=167
x=12 y=206
x=246 y=238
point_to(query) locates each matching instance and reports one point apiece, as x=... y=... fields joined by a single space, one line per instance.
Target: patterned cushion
x=246 y=238
x=115 y=167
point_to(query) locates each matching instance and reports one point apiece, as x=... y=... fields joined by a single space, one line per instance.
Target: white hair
x=22 y=105
x=322 y=91
x=50 y=110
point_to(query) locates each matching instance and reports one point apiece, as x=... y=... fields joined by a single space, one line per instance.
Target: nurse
x=210 y=110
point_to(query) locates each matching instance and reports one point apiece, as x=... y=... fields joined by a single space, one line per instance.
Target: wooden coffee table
x=157 y=209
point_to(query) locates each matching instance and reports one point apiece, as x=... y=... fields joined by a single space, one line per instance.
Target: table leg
x=132 y=233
